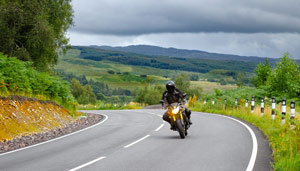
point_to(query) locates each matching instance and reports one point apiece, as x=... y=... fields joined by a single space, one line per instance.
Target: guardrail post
x=283 y=110
x=213 y=101
x=292 y=114
x=235 y=101
x=273 y=108
x=252 y=104
x=246 y=103
x=262 y=105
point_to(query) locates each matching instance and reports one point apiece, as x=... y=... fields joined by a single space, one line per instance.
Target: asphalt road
x=138 y=140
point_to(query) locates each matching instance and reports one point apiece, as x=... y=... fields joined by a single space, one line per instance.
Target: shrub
x=18 y=77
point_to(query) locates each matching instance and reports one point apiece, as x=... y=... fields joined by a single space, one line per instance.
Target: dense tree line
x=162 y=62
x=34 y=30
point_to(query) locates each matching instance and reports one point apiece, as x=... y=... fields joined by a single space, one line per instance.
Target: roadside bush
x=18 y=77
x=83 y=94
x=111 y=72
x=149 y=94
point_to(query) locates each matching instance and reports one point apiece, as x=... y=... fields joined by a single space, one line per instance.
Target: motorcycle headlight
x=175 y=110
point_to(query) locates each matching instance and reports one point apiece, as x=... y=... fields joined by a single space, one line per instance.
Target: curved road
x=138 y=140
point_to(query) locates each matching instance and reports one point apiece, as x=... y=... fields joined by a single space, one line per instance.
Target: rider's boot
x=172 y=127
x=190 y=122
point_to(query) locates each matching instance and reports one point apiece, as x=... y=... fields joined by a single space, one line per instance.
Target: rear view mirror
x=162 y=101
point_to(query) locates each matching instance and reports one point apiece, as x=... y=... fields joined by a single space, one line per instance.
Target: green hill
x=183 y=53
x=164 y=62
x=103 y=67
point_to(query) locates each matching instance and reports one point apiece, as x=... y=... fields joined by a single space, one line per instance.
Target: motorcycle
x=178 y=118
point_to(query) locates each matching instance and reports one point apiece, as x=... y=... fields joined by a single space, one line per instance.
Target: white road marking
x=154 y=114
x=137 y=141
x=151 y=113
x=157 y=129
x=89 y=163
x=254 y=141
x=45 y=142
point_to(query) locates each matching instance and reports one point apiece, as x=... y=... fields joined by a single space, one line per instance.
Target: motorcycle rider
x=173 y=95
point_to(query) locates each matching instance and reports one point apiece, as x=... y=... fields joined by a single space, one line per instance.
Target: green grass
x=284 y=141
x=208 y=87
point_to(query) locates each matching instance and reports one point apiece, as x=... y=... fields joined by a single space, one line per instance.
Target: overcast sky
x=265 y=28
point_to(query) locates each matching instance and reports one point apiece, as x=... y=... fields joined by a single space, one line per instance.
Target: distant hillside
x=164 y=62
x=111 y=78
x=182 y=53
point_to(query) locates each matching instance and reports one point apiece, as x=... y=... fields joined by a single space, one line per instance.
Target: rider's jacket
x=176 y=96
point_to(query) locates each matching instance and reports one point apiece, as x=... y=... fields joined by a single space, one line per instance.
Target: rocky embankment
x=27 y=121
x=35 y=138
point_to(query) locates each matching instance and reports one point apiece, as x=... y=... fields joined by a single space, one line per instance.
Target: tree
x=240 y=79
x=149 y=94
x=83 y=94
x=34 y=30
x=182 y=82
x=263 y=73
x=194 y=77
x=285 y=78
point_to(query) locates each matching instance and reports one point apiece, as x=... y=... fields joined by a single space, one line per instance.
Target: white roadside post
x=292 y=114
x=262 y=105
x=246 y=103
x=213 y=101
x=283 y=110
x=225 y=102
x=252 y=104
x=235 y=102
x=273 y=108
x=204 y=102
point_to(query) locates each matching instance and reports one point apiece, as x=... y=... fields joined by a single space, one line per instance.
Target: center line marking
x=157 y=129
x=89 y=163
x=137 y=141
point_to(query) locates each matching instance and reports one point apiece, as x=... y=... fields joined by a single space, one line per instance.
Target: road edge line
x=254 y=140
x=45 y=142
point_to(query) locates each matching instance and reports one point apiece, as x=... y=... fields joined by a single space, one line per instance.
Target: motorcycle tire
x=181 y=128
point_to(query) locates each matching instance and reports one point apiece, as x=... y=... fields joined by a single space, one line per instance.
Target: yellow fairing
x=174 y=118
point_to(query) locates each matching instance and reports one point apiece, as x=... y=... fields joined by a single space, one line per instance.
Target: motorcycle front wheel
x=181 y=128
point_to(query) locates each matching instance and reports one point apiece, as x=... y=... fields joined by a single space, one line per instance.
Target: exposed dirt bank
x=35 y=138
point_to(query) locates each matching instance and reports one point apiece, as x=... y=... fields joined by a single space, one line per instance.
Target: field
x=129 y=76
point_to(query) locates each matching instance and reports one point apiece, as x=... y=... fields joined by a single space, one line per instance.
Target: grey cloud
x=136 y=17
